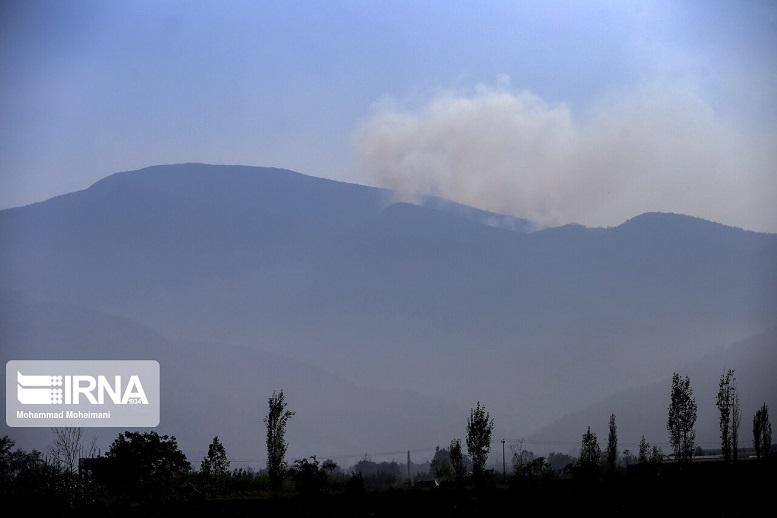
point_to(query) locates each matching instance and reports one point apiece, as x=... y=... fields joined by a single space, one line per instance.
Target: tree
x=559 y=461
x=762 y=432
x=309 y=476
x=656 y=455
x=612 y=445
x=67 y=448
x=681 y=420
x=14 y=462
x=145 y=464
x=441 y=464
x=479 y=428
x=215 y=463
x=276 y=420
x=644 y=451
x=728 y=407
x=457 y=459
x=735 y=422
x=590 y=453
x=628 y=458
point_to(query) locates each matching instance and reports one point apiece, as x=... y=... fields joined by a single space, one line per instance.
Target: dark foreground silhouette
x=705 y=488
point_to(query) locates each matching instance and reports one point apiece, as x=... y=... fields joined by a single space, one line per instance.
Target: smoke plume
x=657 y=148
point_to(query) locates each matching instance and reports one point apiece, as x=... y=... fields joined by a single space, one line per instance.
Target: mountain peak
x=671 y=221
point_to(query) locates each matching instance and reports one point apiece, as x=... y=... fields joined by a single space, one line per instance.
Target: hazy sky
x=569 y=111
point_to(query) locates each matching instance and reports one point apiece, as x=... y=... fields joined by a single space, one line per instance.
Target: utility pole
x=504 y=466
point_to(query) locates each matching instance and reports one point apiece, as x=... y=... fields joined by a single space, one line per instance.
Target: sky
x=586 y=112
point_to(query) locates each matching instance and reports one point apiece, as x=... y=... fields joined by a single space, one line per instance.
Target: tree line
x=147 y=465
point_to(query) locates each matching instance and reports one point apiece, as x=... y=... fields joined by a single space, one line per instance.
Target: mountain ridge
x=394 y=295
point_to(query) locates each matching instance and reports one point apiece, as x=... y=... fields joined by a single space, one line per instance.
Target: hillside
x=396 y=295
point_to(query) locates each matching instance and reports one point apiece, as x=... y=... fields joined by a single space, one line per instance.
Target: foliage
x=559 y=461
x=275 y=422
x=681 y=420
x=215 y=463
x=534 y=469
x=627 y=458
x=590 y=453
x=656 y=455
x=441 y=464
x=457 y=460
x=728 y=407
x=309 y=476
x=612 y=445
x=644 y=451
x=762 y=432
x=145 y=465
x=479 y=428
x=378 y=474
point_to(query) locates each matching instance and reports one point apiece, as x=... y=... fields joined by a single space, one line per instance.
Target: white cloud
x=657 y=148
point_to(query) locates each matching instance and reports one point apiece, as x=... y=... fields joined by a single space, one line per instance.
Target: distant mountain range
x=445 y=301
x=643 y=410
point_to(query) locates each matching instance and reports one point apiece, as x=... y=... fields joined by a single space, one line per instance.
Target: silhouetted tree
x=682 y=418
x=559 y=461
x=736 y=419
x=378 y=475
x=725 y=402
x=479 y=428
x=441 y=464
x=535 y=469
x=215 y=463
x=644 y=451
x=145 y=464
x=309 y=476
x=457 y=459
x=762 y=432
x=330 y=466
x=67 y=447
x=590 y=453
x=15 y=461
x=275 y=422
x=656 y=455
x=612 y=444
x=627 y=458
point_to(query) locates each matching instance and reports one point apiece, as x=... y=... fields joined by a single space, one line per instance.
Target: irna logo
x=73 y=390
x=82 y=393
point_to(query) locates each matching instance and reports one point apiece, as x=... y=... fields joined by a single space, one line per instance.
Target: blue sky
x=91 y=88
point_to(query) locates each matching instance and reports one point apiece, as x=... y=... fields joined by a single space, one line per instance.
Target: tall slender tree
x=479 y=428
x=612 y=445
x=275 y=422
x=681 y=420
x=762 y=432
x=644 y=451
x=723 y=402
x=736 y=419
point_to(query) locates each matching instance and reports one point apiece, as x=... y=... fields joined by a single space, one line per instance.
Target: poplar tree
x=612 y=444
x=275 y=422
x=681 y=420
x=762 y=432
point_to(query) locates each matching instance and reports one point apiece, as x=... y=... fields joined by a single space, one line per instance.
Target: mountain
x=217 y=389
x=643 y=410
x=425 y=297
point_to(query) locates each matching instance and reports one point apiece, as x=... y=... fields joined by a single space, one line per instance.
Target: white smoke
x=658 y=148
